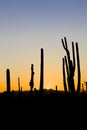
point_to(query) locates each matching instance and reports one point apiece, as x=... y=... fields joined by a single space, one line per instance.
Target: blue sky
x=28 y=25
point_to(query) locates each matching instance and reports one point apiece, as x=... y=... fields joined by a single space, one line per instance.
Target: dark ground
x=50 y=100
x=53 y=108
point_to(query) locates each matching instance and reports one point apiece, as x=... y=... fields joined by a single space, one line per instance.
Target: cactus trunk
x=19 y=84
x=32 y=77
x=42 y=71
x=78 y=69
x=8 y=80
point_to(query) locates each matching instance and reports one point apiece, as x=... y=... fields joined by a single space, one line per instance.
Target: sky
x=26 y=26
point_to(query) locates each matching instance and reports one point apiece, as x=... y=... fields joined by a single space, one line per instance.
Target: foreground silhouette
x=70 y=68
x=8 y=80
x=54 y=107
x=43 y=97
x=42 y=71
x=31 y=83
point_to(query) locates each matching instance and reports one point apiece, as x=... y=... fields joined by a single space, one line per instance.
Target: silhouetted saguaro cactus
x=86 y=86
x=78 y=69
x=19 y=84
x=64 y=78
x=82 y=87
x=42 y=71
x=70 y=67
x=21 y=89
x=32 y=77
x=8 y=80
x=56 y=87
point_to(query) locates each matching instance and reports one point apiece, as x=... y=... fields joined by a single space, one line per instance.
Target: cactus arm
x=64 y=77
x=65 y=46
x=78 y=68
x=64 y=43
x=73 y=52
x=67 y=67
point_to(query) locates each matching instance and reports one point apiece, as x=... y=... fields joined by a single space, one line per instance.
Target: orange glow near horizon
x=52 y=71
x=51 y=79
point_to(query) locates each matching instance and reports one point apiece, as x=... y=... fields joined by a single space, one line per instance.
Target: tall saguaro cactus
x=70 y=67
x=19 y=84
x=78 y=67
x=8 y=80
x=42 y=71
x=32 y=77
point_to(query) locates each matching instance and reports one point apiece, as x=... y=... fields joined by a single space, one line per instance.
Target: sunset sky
x=26 y=26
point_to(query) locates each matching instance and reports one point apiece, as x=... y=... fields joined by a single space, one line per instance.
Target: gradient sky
x=26 y=26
